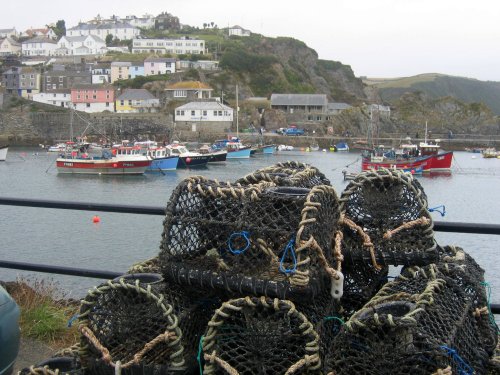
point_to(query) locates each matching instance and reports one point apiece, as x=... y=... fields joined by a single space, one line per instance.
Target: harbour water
x=70 y=238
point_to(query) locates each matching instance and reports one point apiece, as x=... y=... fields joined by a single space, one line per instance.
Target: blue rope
x=235 y=235
x=463 y=367
x=336 y=329
x=200 y=350
x=72 y=319
x=289 y=247
x=491 y=316
x=441 y=209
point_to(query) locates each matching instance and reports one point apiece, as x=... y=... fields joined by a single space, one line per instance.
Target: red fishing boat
x=426 y=156
x=122 y=161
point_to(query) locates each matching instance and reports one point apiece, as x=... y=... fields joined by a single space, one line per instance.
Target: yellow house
x=136 y=100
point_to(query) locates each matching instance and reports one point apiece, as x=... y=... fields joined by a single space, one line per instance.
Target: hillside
x=439 y=85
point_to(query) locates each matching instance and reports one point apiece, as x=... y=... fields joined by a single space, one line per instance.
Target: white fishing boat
x=3 y=152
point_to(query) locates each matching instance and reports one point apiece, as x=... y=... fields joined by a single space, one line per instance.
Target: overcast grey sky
x=378 y=38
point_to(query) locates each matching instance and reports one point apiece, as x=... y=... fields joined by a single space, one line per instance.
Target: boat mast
x=237 y=112
x=71 y=124
x=425 y=135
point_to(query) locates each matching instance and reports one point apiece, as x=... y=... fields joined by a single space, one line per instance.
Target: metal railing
x=439 y=226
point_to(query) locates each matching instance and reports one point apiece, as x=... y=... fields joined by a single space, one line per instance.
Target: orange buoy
x=96 y=219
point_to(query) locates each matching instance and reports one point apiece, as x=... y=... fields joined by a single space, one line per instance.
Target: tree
x=212 y=23
x=59 y=29
x=204 y=25
x=109 y=39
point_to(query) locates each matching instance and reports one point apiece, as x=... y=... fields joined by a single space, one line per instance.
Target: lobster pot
x=258 y=239
x=148 y=266
x=55 y=366
x=386 y=220
x=494 y=363
x=260 y=336
x=421 y=323
x=145 y=328
x=361 y=283
x=469 y=276
x=290 y=173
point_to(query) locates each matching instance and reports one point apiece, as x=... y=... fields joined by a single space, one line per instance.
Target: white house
x=238 y=31
x=119 y=30
x=59 y=98
x=80 y=45
x=381 y=110
x=206 y=111
x=9 y=46
x=147 y=21
x=158 y=65
x=171 y=46
x=39 y=46
x=4 y=33
x=43 y=32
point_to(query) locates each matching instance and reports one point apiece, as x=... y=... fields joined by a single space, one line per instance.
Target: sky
x=377 y=38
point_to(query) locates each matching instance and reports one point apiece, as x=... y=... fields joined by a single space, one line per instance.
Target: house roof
x=121 y=63
x=136 y=94
x=337 y=106
x=88 y=86
x=188 y=85
x=11 y=41
x=159 y=59
x=66 y=73
x=299 y=99
x=103 y=26
x=7 y=30
x=40 y=39
x=212 y=105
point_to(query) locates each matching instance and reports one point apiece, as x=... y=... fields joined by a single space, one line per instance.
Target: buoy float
x=188 y=160
x=96 y=219
x=115 y=165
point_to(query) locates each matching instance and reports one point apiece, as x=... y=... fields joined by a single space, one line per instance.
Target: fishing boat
x=285 y=148
x=216 y=156
x=340 y=147
x=490 y=153
x=75 y=162
x=59 y=147
x=266 y=149
x=161 y=159
x=3 y=152
x=187 y=159
x=314 y=147
x=235 y=149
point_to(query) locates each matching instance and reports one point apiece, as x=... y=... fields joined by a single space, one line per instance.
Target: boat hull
x=102 y=167
x=217 y=156
x=239 y=154
x=3 y=152
x=164 y=164
x=192 y=161
x=432 y=163
x=268 y=149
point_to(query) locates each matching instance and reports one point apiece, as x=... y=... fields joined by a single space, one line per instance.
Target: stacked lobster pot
x=139 y=324
x=424 y=322
x=266 y=250
x=385 y=221
x=290 y=173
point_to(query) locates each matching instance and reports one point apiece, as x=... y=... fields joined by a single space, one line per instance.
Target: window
x=48 y=79
x=215 y=113
x=107 y=104
x=204 y=113
x=179 y=113
x=180 y=93
x=192 y=113
x=61 y=79
x=86 y=96
x=122 y=102
x=32 y=76
x=88 y=105
x=220 y=113
x=107 y=96
x=54 y=95
x=94 y=96
x=54 y=102
x=130 y=102
x=78 y=96
x=226 y=113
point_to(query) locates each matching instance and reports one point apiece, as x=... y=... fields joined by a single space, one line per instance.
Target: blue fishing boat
x=162 y=159
x=266 y=149
x=340 y=147
x=235 y=149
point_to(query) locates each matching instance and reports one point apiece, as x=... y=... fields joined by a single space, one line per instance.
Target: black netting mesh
x=127 y=317
x=290 y=173
x=258 y=239
x=420 y=323
x=386 y=210
x=261 y=336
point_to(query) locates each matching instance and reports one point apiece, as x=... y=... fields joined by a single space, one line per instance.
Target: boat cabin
x=429 y=148
x=177 y=149
x=127 y=151
x=158 y=152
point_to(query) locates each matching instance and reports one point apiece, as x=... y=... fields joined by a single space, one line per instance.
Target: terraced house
x=93 y=98
x=23 y=82
x=136 y=100
x=120 y=70
x=169 y=46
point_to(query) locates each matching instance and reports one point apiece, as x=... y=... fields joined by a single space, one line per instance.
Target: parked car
x=294 y=131
x=10 y=334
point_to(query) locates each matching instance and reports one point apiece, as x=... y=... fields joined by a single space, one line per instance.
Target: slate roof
x=204 y=106
x=337 y=106
x=159 y=59
x=121 y=63
x=40 y=39
x=136 y=94
x=299 y=99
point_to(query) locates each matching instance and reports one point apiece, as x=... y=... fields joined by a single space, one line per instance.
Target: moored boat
x=81 y=163
x=235 y=149
x=216 y=156
x=187 y=159
x=426 y=156
x=266 y=149
x=161 y=159
x=3 y=152
x=340 y=147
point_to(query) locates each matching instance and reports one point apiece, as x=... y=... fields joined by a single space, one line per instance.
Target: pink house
x=93 y=98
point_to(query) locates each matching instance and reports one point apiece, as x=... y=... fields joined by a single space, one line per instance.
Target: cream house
x=9 y=46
